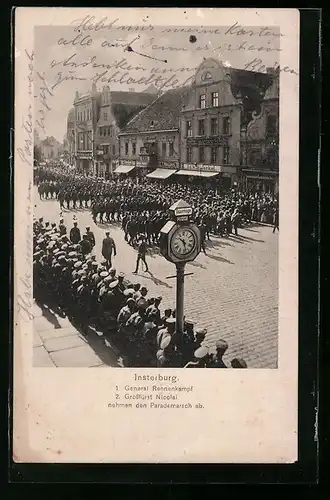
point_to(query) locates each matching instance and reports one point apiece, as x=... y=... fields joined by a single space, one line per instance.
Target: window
x=201 y=154
x=133 y=148
x=163 y=149
x=214 y=156
x=226 y=125
x=215 y=99
x=201 y=128
x=111 y=131
x=202 y=101
x=113 y=149
x=189 y=155
x=271 y=125
x=105 y=116
x=126 y=148
x=189 y=128
x=214 y=126
x=226 y=155
x=170 y=149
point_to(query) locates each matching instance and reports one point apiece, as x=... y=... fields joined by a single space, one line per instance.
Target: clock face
x=183 y=242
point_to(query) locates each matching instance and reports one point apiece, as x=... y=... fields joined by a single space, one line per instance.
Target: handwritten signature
x=26 y=152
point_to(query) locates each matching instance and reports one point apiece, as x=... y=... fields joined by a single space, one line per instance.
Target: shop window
x=171 y=149
x=214 y=156
x=201 y=154
x=214 y=126
x=201 y=127
x=189 y=128
x=133 y=148
x=226 y=155
x=189 y=155
x=126 y=148
x=226 y=125
x=215 y=99
x=202 y=101
x=271 y=125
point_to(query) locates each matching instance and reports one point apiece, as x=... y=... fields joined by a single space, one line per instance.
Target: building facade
x=223 y=127
x=260 y=143
x=97 y=119
x=50 y=148
x=71 y=136
x=86 y=117
x=150 y=142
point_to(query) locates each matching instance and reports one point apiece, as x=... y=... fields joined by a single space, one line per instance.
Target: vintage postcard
x=156 y=230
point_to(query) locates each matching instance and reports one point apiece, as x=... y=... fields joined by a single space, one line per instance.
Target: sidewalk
x=57 y=343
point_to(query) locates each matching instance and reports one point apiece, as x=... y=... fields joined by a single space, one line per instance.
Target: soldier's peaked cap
x=201 y=352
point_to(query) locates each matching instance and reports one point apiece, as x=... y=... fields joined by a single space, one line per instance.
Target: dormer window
x=152 y=123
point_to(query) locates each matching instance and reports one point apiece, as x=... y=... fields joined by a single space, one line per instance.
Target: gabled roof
x=162 y=114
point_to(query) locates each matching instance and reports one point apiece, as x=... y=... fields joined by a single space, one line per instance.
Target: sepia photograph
x=156 y=230
x=156 y=197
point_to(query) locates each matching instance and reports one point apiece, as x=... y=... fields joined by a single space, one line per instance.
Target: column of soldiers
x=68 y=277
x=148 y=202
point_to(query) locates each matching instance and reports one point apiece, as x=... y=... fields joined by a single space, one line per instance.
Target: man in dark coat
x=90 y=236
x=85 y=245
x=75 y=236
x=108 y=247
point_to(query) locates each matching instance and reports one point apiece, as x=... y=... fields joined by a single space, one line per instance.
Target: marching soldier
x=142 y=250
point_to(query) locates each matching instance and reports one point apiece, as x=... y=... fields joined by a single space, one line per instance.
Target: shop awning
x=161 y=173
x=196 y=173
x=124 y=169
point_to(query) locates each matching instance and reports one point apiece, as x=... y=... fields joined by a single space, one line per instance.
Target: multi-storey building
x=208 y=129
x=71 y=135
x=86 y=116
x=150 y=141
x=115 y=109
x=50 y=148
x=221 y=102
x=260 y=142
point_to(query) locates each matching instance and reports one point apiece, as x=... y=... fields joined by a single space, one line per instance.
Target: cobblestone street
x=233 y=292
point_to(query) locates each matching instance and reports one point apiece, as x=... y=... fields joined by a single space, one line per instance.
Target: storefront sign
x=200 y=167
x=130 y=163
x=168 y=164
x=183 y=211
x=206 y=141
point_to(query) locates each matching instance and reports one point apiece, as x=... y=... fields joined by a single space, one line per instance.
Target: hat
x=165 y=342
x=61 y=257
x=81 y=272
x=144 y=288
x=78 y=264
x=104 y=274
x=128 y=292
x=201 y=352
x=189 y=322
x=112 y=270
x=130 y=300
x=170 y=321
x=238 y=363
x=40 y=240
x=72 y=254
x=159 y=299
x=85 y=266
x=94 y=264
x=64 y=247
x=114 y=284
x=87 y=228
x=108 y=279
x=221 y=345
x=107 y=233
x=201 y=331
x=121 y=275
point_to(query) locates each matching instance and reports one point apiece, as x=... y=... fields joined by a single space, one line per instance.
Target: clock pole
x=180 y=266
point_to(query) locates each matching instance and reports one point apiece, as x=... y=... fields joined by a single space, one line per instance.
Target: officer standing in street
x=62 y=227
x=75 y=236
x=108 y=247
